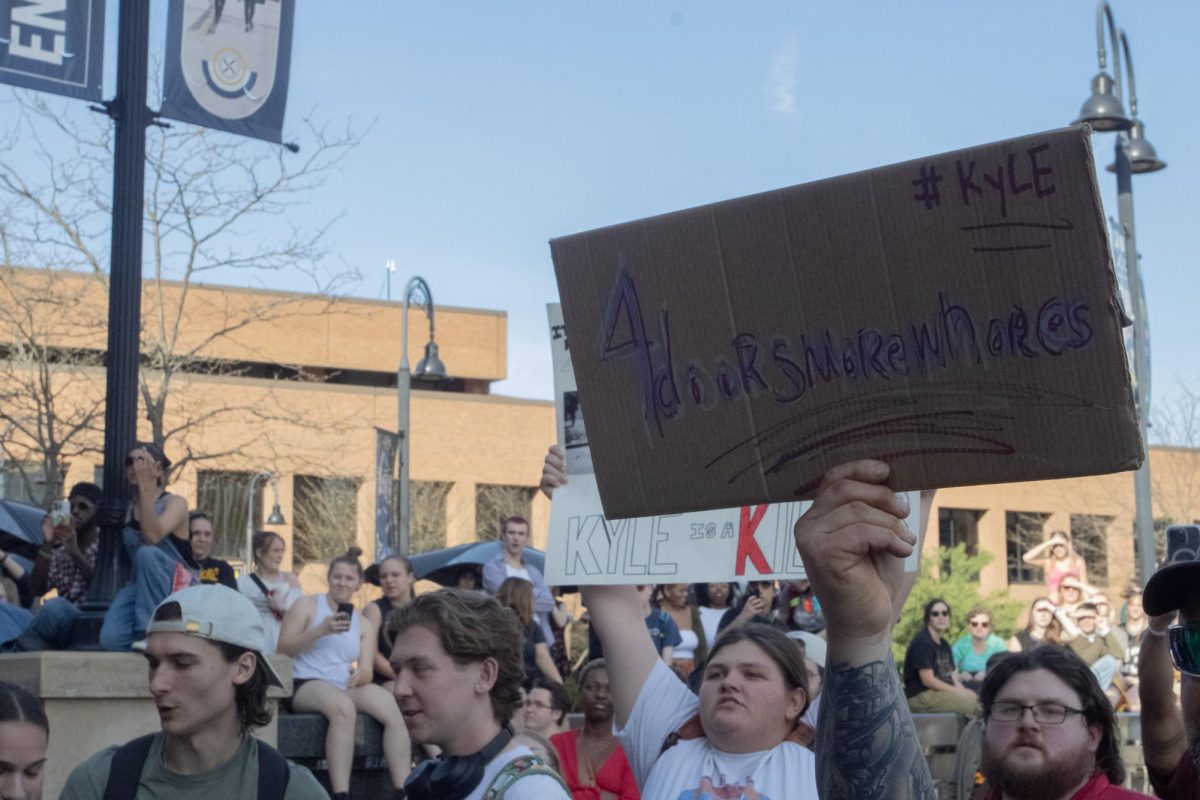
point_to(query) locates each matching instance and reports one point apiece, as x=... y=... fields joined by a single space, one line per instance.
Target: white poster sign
x=732 y=544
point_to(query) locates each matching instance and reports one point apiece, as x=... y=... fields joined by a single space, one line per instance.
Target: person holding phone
x=333 y=650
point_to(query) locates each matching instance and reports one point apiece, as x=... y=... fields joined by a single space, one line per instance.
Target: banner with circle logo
x=227 y=65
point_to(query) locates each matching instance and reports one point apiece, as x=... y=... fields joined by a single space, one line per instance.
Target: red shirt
x=1098 y=788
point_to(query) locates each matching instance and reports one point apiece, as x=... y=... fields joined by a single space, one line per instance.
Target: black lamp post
x=129 y=112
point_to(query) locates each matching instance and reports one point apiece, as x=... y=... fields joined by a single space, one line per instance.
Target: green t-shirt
x=236 y=778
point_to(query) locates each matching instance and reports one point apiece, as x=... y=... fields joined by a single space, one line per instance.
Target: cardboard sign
x=584 y=548
x=955 y=316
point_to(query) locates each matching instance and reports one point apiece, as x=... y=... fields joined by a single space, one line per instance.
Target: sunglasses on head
x=1184 y=642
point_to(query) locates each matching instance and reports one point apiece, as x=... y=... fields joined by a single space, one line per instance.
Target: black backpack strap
x=273 y=772
x=125 y=770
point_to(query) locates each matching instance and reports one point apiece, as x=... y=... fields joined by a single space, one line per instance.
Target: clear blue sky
x=501 y=125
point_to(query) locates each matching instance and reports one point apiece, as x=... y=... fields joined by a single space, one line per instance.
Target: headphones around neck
x=454 y=777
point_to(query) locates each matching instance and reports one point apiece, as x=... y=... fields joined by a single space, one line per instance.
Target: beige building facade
x=299 y=391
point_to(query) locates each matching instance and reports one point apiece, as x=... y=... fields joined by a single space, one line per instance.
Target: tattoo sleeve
x=866 y=744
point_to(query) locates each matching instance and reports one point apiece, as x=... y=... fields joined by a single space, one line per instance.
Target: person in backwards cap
x=1171 y=736
x=209 y=682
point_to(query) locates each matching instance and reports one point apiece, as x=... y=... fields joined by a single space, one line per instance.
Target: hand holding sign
x=853 y=542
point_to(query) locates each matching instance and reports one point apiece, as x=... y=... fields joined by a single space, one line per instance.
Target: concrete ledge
x=302 y=736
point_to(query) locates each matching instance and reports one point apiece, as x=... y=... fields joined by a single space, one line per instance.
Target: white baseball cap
x=216 y=613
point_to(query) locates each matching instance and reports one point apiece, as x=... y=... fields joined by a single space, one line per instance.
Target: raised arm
x=853 y=543
x=616 y=615
x=1164 y=740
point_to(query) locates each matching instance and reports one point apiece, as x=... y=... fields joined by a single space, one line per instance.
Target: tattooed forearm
x=866 y=744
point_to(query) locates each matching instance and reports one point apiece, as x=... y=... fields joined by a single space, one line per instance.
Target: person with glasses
x=1171 y=732
x=547 y=705
x=977 y=644
x=156 y=540
x=931 y=683
x=1049 y=732
x=64 y=563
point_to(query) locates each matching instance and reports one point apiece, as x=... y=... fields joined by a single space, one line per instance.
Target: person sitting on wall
x=156 y=540
x=973 y=649
x=200 y=535
x=930 y=681
x=64 y=563
x=270 y=589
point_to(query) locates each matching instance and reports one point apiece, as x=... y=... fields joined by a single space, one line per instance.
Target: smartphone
x=346 y=608
x=60 y=514
x=1183 y=543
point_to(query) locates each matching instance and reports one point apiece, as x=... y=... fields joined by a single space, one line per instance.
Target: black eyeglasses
x=1044 y=713
x=945 y=613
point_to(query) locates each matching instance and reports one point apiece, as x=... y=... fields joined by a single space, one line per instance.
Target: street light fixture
x=275 y=518
x=1139 y=151
x=1103 y=110
x=1133 y=155
x=429 y=368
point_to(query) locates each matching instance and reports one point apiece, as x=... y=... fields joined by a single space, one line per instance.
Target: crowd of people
x=944 y=677
x=687 y=692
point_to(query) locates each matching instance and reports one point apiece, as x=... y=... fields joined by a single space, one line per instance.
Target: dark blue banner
x=227 y=65
x=53 y=46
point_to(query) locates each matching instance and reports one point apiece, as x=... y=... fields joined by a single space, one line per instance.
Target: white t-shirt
x=710 y=619
x=693 y=768
x=535 y=787
x=517 y=572
x=282 y=588
x=687 y=645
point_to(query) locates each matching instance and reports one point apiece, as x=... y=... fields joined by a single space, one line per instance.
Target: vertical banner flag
x=730 y=544
x=227 y=65
x=53 y=46
x=386 y=446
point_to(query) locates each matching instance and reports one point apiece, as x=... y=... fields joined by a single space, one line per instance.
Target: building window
x=496 y=502
x=326 y=517
x=224 y=495
x=22 y=481
x=959 y=526
x=1089 y=537
x=427 y=519
x=1023 y=530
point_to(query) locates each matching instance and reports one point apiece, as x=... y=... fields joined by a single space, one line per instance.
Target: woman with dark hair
x=24 y=737
x=394 y=576
x=156 y=541
x=326 y=636
x=931 y=683
x=517 y=594
x=270 y=589
x=712 y=600
x=674 y=599
x=593 y=763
